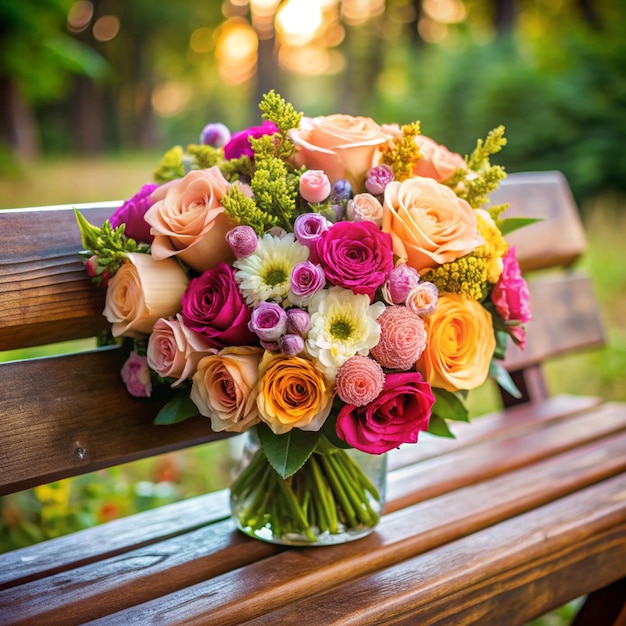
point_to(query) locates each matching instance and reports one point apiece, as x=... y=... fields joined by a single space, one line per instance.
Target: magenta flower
x=213 y=307
x=239 y=144
x=136 y=376
x=131 y=214
x=396 y=416
x=242 y=241
x=355 y=255
x=268 y=321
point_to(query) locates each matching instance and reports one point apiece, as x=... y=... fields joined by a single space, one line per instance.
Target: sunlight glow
x=236 y=50
x=170 y=98
x=298 y=21
x=445 y=11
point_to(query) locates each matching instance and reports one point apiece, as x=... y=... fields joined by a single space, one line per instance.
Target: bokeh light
x=106 y=27
x=79 y=16
x=236 y=50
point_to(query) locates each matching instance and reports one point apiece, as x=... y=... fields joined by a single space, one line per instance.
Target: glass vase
x=336 y=496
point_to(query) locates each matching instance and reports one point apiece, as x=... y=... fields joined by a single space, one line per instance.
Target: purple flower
x=401 y=280
x=216 y=135
x=355 y=255
x=306 y=280
x=308 y=227
x=239 y=145
x=378 y=178
x=341 y=191
x=242 y=241
x=291 y=344
x=213 y=307
x=298 y=321
x=268 y=321
x=131 y=214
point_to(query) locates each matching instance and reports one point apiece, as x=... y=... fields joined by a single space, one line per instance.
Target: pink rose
x=512 y=297
x=355 y=256
x=314 y=186
x=395 y=417
x=213 y=307
x=174 y=350
x=132 y=212
x=136 y=376
x=343 y=146
x=437 y=161
x=188 y=220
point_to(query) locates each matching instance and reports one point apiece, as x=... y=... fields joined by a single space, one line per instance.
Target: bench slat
x=80 y=419
x=401 y=535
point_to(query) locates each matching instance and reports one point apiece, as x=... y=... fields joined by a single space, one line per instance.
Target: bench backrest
x=70 y=414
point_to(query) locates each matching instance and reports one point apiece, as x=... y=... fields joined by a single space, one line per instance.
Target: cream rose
x=460 y=344
x=437 y=161
x=428 y=223
x=187 y=219
x=364 y=206
x=293 y=393
x=343 y=146
x=174 y=350
x=224 y=388
x=142 y=291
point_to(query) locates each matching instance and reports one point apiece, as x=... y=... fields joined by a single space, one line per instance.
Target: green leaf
x=450 y=405
x=287 y=453
x=502 y=377
x=329 y=430
x=178 y=409
x=438 y=426
x=509 y=224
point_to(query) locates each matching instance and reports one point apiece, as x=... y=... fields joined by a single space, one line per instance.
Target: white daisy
x=342 y=324
x=264 y=275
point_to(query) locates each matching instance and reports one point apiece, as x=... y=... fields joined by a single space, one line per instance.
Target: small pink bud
x=314 y=186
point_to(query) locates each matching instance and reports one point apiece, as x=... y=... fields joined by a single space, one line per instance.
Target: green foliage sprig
x=405 y=152
x=284 y=115
x=244 y=210
x=476 y=189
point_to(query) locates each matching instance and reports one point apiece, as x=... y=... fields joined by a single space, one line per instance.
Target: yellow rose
x=460 y=344
x=224 y=388
x=292 y=394
x=187 y=219
x=142 y=291
x=429 y=225
x=342 y=146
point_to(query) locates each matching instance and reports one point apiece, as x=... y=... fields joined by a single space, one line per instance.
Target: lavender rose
x=215 y=134
x=305 y=281
x=291 y=345
x=396 y=416
x=355 y=255
x=402 y=279
x=136 y=376
x=242 y=241
x=308 y=227
x=213 y=307
x=378 y=178
x=268 y=321
x=239 y=144
x=131 y=214
x=298 y=321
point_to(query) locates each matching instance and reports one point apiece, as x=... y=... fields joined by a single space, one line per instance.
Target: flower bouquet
x=329 y=285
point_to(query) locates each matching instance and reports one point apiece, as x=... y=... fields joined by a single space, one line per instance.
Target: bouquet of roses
x=332 y=282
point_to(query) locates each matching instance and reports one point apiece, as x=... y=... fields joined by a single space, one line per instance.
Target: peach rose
x=364 y=206
x=437 y=161
x=174 y=350
x=142 y=291
x=293 y=393
x=343 y=146
x=428 y=223
x=224 y=388
x=188 y=220
x=460 y=344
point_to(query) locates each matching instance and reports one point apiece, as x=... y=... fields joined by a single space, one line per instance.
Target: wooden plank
x=580 y=539
x=45 y=294
x=280 y=582
x=559 y=238
x=566 y=318
x=80 y=418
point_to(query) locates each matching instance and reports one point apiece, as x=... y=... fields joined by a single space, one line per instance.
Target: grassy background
x=65 y=506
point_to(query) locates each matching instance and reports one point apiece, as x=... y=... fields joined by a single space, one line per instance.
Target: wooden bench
x=523 y=512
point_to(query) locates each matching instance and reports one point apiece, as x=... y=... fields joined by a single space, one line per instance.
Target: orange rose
x=188 y=220
x=142 y=291
x=224 y=388
x=428 y=223
x=343 y=146
x=437 y=161
x=293 y=393
x=460 y=344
